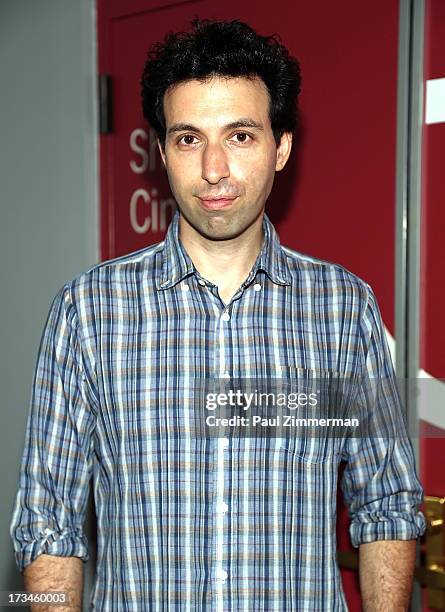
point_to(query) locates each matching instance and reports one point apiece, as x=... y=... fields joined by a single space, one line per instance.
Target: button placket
x=221 y=508
x=222 y=444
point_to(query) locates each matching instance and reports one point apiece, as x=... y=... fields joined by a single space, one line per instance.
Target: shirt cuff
x=67 y=543
x=386 y=526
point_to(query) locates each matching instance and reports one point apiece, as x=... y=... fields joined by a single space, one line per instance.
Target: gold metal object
x=434 y=552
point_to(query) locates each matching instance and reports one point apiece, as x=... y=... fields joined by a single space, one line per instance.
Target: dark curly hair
x=222 y=48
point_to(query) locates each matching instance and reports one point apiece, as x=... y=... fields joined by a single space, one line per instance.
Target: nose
x=214 y=164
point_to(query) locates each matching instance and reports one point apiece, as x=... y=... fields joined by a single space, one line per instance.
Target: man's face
x=220 y=153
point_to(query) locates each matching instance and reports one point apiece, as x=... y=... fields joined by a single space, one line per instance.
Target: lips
x=216 y=203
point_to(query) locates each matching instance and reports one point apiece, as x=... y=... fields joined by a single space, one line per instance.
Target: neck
x=225 y=263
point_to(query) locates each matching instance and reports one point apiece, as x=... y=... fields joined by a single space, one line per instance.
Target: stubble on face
x=215 y=164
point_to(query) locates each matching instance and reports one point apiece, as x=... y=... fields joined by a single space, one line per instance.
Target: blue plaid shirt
x=193 y=523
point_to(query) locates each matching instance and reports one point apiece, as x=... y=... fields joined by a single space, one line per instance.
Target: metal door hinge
x=105 y=94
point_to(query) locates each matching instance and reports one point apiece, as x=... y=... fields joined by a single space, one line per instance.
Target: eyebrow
x=239 y=123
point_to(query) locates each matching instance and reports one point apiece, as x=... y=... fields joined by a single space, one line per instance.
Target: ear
x=283 y=150
x=161 y=151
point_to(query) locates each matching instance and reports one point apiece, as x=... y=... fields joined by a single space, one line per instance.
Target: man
x=188 y=522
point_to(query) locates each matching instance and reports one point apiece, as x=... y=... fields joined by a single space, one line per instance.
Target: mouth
x=216 y=203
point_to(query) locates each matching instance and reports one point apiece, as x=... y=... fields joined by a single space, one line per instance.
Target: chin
x=214 y=231
x=218 y=225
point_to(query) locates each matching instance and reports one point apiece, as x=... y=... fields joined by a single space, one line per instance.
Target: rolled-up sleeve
x=380 y=485
x=52 y=495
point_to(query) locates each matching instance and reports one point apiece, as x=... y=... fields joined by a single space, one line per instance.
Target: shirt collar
x=176 y=263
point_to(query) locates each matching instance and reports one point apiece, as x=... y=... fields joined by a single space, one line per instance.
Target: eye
x=241 y=138
x=187 y=139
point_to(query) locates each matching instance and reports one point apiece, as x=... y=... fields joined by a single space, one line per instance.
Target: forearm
x=386 y=575
x=52 y=573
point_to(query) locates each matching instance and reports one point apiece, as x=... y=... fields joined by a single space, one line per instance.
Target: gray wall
x=48 y=198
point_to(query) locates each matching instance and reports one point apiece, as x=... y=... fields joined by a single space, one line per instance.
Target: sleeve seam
x=365 y=346
x=73 y=322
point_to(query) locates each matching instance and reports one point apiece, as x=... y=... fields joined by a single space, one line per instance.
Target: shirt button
x=225 y=316
x=185 y=287
x=222 y=506
x=201 y=282
x=257 y=287
x=221 y=574
x=224 y=442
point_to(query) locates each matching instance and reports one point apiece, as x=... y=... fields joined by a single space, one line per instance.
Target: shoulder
x=335 y=290
x=109 y=280
x=112 y=271
x=326 y=274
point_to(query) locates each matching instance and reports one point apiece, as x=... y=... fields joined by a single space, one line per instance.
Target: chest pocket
x=311 y=450
x=314 y=421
